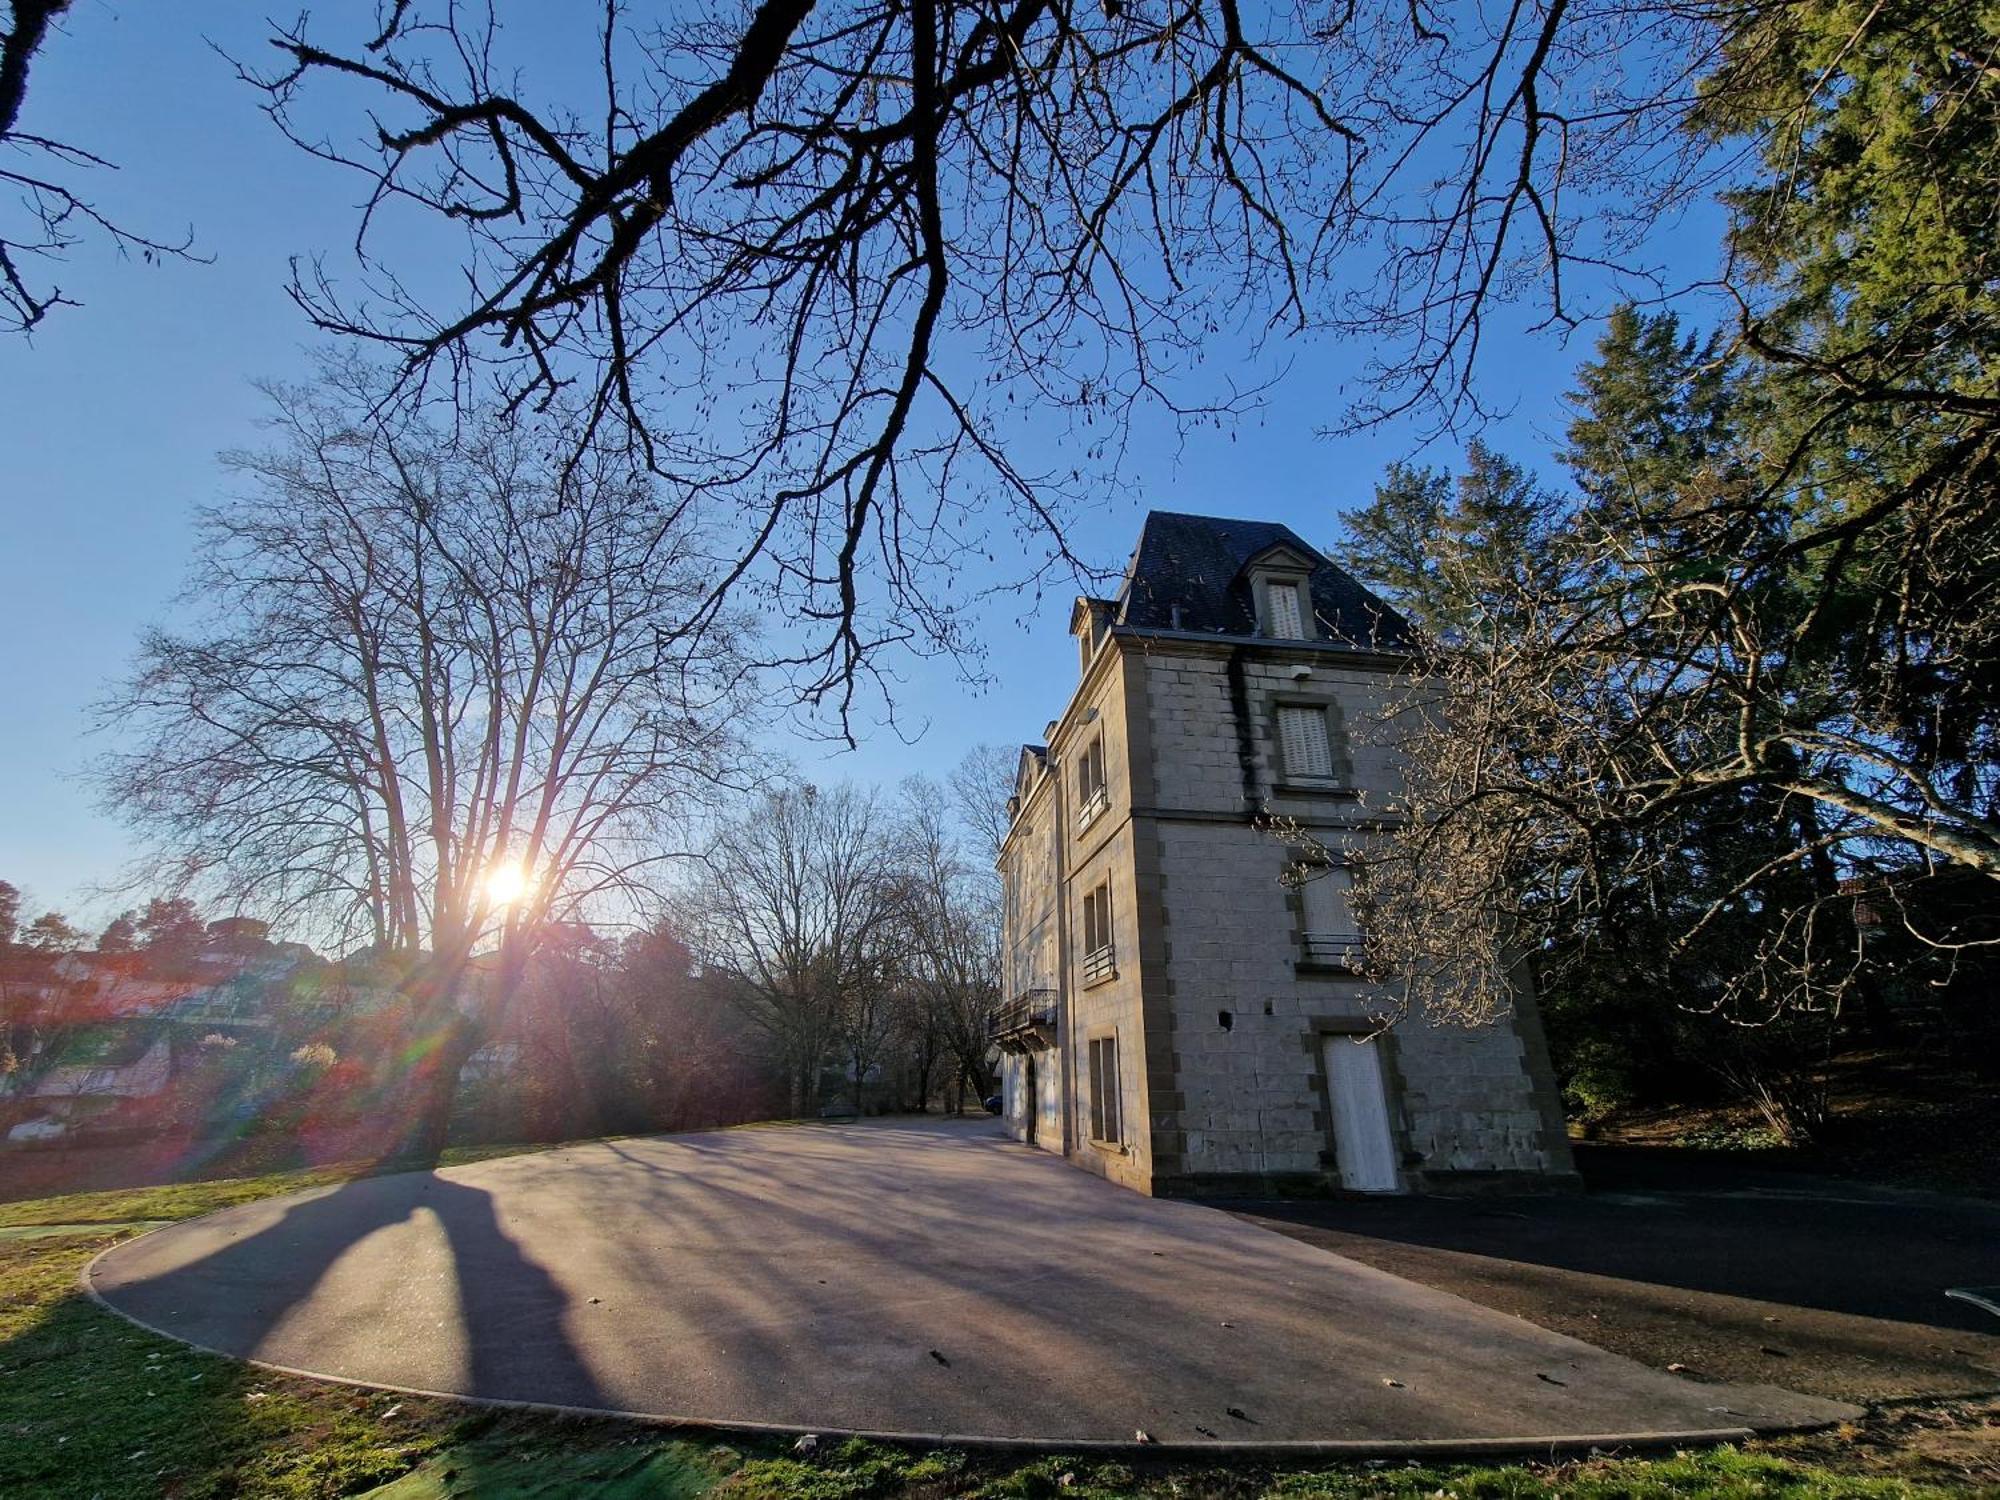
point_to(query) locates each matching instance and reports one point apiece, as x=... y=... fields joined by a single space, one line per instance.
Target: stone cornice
x=1206 y=643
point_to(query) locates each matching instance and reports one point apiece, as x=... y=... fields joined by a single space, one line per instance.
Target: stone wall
x=1220 y=1028
x=1247 y=1024
x=1100 y=854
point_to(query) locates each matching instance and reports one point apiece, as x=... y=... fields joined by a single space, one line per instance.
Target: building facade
x=1176 y=1016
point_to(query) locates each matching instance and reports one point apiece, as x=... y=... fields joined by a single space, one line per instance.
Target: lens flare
x=506 y=883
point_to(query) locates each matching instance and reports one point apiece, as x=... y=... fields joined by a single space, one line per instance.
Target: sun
x=506 y=883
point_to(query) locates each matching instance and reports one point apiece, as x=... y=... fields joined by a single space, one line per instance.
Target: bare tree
x=442 y=695
x=799 y=903
x=819 y=259
x=1677 y=734
x=50 y=215
x=981 y=785
x=952 y=950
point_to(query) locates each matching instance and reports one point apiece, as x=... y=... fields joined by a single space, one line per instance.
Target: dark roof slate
x=1197 y=562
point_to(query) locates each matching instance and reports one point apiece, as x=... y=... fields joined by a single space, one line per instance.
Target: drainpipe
x=1065 y=1011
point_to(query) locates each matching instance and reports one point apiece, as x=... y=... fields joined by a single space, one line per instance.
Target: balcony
x=1022 y=1021
x=1100 y=964
x=1345 y=951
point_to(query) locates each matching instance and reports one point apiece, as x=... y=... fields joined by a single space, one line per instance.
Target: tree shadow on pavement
x=510 y=1312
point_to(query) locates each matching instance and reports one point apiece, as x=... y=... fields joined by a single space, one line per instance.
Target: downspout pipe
x=1065 y=1008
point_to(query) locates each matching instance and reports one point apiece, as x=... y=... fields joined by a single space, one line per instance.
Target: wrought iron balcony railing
x=1336 y=950
x=1024 y=1013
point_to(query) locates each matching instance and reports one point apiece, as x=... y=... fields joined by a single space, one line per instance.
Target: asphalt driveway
x=1839 y=1288
x=918 y=1279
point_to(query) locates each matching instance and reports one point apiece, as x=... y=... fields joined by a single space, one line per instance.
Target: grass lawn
x=91 y=1406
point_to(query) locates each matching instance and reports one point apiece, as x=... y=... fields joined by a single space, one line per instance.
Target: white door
x=1361 y=1140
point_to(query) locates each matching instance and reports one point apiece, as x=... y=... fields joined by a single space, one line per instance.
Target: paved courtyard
x=918 y=1279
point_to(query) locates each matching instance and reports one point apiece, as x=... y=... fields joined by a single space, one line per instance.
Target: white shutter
x=1303 y=740
x=1325 y=898
x=1287 y=621
x=1362 y=1141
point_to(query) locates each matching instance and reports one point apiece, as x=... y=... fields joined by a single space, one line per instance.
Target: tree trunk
x=436 y=1092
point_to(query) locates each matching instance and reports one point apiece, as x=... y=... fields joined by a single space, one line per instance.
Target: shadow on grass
x=90 y=1405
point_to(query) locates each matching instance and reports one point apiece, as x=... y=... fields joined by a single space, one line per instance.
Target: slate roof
x=1196 y=562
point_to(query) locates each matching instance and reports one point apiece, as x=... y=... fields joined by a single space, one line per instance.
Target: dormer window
x=1285 y=610
x=1090 y=621
x=1280 y=586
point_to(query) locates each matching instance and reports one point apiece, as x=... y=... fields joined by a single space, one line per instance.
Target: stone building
x=1175 y=1017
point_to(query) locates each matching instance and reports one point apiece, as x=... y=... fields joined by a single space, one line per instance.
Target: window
x=1305 y=742
x=1285 y=611
x=1330 y=936
x=1099 y=961
x=1104 y=1090
x=1091 y=796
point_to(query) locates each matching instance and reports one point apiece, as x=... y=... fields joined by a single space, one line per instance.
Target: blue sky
x=114 y=413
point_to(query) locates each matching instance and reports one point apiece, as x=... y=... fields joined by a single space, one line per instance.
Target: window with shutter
x=1287 y=617
x=1304 y=743
x=1331 y=938
x=1325 y=898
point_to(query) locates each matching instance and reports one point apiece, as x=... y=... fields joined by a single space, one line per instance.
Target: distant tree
x=170 y=928
x=1452 y=552
x=239 y=934
x=981 y=785
x=800 y=903
x=951 y=949
x=10 y=912
x=51 y=932
x=446 y=692
x=681 y=1056
x=120 y=935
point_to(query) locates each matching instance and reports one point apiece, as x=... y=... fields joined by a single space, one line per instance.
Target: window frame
x=1099 y=959
x=1106 y=1123
x=1296 y=591
x=1093 y=793
x=1338 y=950
x=1339 y=777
